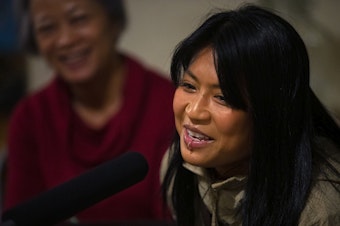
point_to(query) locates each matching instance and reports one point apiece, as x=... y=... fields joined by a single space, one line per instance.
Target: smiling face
x=76 y=37
x=212 y=134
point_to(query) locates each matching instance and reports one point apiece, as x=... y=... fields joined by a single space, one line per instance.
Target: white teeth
x=198 y=136
x=74 y=57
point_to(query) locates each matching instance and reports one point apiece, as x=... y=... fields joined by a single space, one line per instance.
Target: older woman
x=100 y=104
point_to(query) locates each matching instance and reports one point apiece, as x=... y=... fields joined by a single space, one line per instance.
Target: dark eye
x=187 y=86
x=79 y=19
x=45 y=29
x=221 y=100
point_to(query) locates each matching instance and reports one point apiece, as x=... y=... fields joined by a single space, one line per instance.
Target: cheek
x=235 y=122
x=178 y=108
x=177 y=103
x=236 y=131
x=43 y=45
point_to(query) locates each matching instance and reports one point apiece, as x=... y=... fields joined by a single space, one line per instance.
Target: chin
x=77 y=78
x=191 y=157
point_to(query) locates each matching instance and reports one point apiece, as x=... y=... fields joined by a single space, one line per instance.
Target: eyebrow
x=72 y=8
x=194 y=77
x=191 y=74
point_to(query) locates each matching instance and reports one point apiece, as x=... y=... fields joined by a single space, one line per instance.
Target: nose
x=198 y=109
x=65 y=36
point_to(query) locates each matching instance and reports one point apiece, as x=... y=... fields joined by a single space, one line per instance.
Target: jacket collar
x=223 y=198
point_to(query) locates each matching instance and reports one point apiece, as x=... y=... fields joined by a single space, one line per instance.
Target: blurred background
x=154 y=29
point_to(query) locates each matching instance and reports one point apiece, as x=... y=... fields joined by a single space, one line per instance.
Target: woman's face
x=76 y=37
x=212 y=134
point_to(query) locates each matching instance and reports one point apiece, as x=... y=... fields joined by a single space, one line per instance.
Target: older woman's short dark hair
x=116 y=10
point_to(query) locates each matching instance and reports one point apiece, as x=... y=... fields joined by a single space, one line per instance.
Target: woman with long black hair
x=254 y=145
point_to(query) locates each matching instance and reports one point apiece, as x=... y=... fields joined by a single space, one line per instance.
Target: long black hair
x=263 y=68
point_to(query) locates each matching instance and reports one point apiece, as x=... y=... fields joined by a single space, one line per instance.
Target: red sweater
x=49 y=144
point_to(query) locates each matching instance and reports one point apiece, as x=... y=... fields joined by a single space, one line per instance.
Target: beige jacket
x=223 y=198
x=323 y=205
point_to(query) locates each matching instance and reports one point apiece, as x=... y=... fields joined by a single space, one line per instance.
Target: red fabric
x=48 y=144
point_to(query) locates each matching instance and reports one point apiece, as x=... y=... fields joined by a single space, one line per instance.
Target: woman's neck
x=240 y=168
x=97 y=100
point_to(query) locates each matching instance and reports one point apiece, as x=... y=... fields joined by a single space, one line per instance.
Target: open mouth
x=198 y=136
x=195 y=139
x=75 y=58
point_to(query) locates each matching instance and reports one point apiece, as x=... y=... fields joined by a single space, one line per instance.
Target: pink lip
x=192 y=143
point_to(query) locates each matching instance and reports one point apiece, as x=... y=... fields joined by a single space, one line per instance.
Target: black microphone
x=65 y=200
